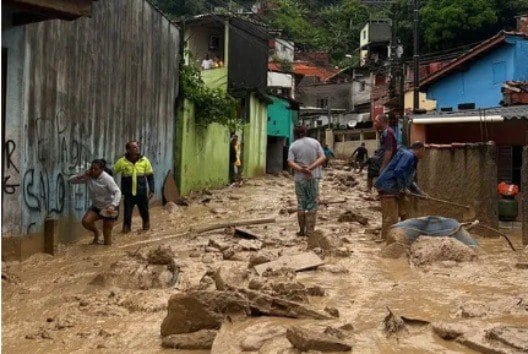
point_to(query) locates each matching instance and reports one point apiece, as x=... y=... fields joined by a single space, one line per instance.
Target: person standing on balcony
x=207 y=63
x=137 y=184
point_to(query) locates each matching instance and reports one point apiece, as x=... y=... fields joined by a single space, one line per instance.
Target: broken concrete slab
x=202 y=339
x=222 y=246
x=298 y=262
x=250 y=245
x=512 y=336
x=198 y=310
x=305 y=340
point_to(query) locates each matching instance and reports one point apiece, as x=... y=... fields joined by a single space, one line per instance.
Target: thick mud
x=115 y=298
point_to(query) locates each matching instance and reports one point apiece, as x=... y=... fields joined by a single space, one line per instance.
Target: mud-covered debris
x=198 y=310
x=353 y=216
x=161 y=255
x=346 y=180
x=171 y=207
x=259 y=258
x=255 y=341
x=472 y=310
x=230 y=276
x=393 y=324
x=332 y=311
x=250 y=245
x=335 y=332
x=347 y=327
x=247 y=234
x=316 y=290
x=427 y=250
x=306 y=340
x=342 y=252
x=513 y=336
x=202 y=339
x=256 y=283
x=324 y=241
x=334 y=269
x=521 y=265
x=447 y=331
x=220 y=245
x=228 y=253
x=394 y=250
x=298 y=262
x=207 y=259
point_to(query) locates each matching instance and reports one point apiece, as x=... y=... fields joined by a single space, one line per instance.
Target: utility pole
x=416 y=69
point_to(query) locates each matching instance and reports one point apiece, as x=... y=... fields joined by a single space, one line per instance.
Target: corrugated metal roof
x=510 y=112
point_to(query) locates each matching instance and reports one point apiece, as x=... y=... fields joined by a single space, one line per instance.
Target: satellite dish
x=352 y=123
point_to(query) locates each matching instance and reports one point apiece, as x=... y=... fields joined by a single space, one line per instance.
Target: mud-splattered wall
x=80 y=90
x=465 y=174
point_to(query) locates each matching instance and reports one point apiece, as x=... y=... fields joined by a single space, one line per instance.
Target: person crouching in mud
x=305 y=157
x=105 y=196
x=397 y=183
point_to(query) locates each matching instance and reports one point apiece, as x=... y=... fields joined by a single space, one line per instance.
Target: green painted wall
x=215 y=78
x=255 y=139
x=281 y=119
x=202 y=153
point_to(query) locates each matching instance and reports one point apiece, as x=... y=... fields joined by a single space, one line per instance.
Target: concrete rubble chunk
x=298 y=262
x=198 y=310
x=250 y=245
x=222 y=246
x=230 y=276
x=261 y=257
x=305 y=340
x=202 y=339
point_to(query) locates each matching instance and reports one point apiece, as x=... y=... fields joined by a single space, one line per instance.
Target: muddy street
x=116 y=298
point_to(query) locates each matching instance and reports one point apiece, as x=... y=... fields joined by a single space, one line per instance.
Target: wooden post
x=51 y=231
x=524 y=196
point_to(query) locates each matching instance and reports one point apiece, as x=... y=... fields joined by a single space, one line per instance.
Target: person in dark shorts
x=361 y=155
x=105 y=195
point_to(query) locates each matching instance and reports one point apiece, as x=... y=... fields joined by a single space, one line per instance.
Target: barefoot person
x=105 y=195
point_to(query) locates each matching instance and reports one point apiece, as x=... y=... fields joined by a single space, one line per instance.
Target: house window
x=323 y=103
x=362 y=86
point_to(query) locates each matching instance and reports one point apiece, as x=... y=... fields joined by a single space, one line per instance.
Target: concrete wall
x=202 y=152
x=465 y=175
x=424 y=103
x=339 y=95
x=345 y=142
x=255 y=139
x=77 y=91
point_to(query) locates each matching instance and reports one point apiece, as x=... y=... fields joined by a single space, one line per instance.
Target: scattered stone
x=332 y=311
x=230 y=276
x=352 y=216
x=426 y=250
x=256 y=284
x=202 y=339
x=194 y=254
x=472 y=310
x=250 y=245
x=259 y=258
x=222 y=246
x=207 y=259
x=316 y=290
x=521 y=265
x=228 y=253
x=199 y=310
x=305 y=340
x=210 y=249
x=347 y=327
x=299 y=262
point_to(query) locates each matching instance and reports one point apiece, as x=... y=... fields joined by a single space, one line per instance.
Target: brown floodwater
x=50 y=306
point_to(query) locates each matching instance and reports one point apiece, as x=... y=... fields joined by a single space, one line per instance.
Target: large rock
x=305 y=340
x=198 y=310
x=202 y=339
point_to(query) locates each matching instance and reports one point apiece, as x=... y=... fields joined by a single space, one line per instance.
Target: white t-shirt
x=207 y=64
x=304 y=152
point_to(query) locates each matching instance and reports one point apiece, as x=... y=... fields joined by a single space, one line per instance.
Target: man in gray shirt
x=305 y=157
x=105 y=195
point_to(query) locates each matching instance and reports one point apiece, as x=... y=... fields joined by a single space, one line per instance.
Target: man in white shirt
x=305 y=157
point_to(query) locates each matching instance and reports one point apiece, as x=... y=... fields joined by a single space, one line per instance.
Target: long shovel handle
x=440 y=200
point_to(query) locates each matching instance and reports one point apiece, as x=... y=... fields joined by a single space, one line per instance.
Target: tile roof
x=307 y=69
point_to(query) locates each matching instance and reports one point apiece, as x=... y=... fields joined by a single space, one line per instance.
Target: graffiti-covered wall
x=79 y=90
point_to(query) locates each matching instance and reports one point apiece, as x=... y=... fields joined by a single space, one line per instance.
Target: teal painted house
x=282 y=116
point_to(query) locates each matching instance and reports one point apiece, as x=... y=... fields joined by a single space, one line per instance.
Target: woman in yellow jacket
x=136 y=175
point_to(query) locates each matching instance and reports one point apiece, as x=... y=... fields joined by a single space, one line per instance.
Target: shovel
x=468 y=214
